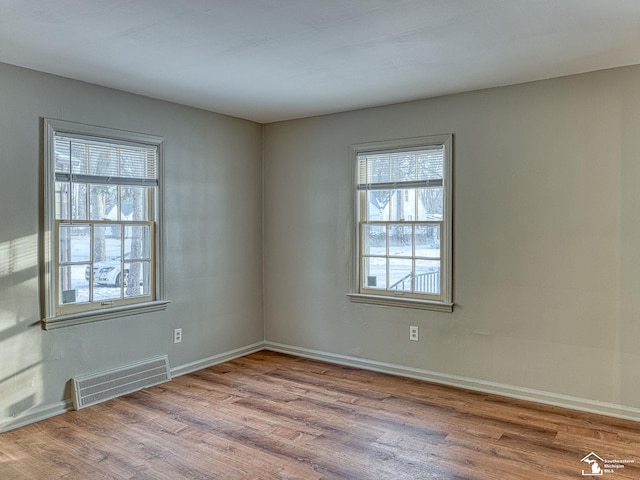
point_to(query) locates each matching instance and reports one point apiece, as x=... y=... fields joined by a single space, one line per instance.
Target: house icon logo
x=596 y=465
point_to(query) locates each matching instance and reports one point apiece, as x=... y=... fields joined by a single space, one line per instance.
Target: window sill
x=401 y=302
x=105 y=314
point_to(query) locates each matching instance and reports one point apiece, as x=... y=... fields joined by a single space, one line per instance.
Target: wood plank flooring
x=274 y=416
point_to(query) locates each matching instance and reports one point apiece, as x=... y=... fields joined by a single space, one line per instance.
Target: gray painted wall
x=213 y=220
x=546 y=237
x=546 y=257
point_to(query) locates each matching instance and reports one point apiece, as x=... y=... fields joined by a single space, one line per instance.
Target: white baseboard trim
x=37 y=414
x=216 y=359
x=548 y=398
x=521 y=393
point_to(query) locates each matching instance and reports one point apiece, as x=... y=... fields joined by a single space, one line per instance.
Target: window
x=403 y=208
x=101 y=245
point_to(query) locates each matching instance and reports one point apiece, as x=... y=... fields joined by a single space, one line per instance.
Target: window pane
x=377 y=168
x=107 y=273
x=427 y=277
x=107 y=243
x=79 y=201
x=136 y=242
x=400 y=274
x=403 y=167
x=107 y=267
x=75 y=243
x=62 y=153
x=105 y=292
x=132 y=163
x=134 y=203
x=375 y=272
x=74 y=287
x=137 y=279
x=375 y=240
x=400 y=240
x=63 y=201
x=430 y=203
x=79 y=158
x=378 y=205
x=430 y=163
x=103 y=201
x=74 y=204
x=403 y=205
x=428 y=241
x=103 y=160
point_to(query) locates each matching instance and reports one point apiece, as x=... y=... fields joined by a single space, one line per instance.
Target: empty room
x=295 y=239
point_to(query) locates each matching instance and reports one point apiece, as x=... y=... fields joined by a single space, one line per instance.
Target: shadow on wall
x=21 y=356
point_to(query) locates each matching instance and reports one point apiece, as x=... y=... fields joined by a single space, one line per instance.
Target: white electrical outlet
x=177 y=335
x=413 y=334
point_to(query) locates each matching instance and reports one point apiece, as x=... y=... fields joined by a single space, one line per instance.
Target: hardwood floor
x=274 y=416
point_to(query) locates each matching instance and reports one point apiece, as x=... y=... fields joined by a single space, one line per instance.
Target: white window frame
x=361 y=294
x=54 y=315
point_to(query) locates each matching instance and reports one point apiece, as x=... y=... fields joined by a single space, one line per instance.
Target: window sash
x=92 y=303
x=413 y=257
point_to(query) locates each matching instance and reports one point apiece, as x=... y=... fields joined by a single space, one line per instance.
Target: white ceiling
x=269 y=60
